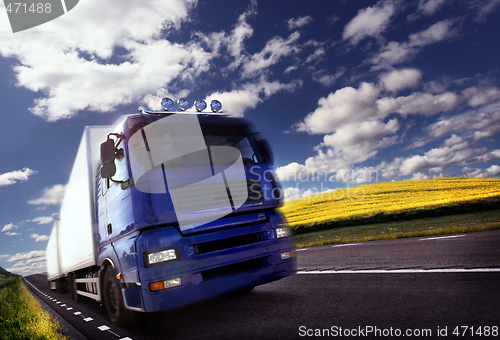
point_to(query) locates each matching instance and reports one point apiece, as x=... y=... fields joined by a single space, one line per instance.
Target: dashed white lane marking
x=403 y=271
x=301 y=249
x=440 y=237
x=86 y=319
x=346 y=245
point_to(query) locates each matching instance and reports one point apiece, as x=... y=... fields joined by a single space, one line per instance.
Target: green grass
x=469 y=222
x=21 y=316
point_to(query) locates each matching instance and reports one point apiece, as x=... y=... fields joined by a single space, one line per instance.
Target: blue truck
x=165 y=209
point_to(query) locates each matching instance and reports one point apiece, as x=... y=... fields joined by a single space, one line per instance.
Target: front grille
x=232 y=269
x=212 y=195
x=236 y=241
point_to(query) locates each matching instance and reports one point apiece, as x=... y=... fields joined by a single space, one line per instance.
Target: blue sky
x=346 y=92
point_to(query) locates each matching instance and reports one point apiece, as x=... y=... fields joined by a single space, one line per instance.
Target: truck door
x=102 y=218
x=120 y=215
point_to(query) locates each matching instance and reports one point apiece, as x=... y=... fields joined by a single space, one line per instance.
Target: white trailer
x=73 y=242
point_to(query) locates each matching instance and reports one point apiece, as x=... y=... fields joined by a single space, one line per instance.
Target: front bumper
x=216 y=270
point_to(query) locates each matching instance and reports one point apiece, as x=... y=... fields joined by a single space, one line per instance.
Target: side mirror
x=108 y=170
x=107 y=152
x=108 y=167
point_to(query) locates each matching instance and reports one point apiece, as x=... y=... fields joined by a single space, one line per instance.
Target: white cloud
x=453 y=140
x=8 y=227
x=39 y=238
x=419 y=176
x=420 y=103
x=13 y=177
x=369 y=22
x=299 y=22
x=51 y=196
x=318 y=53
x=357 y=133
x=484 y=7
x=236 y=101
x=273 y=51
x=75 y=73
x=442 y=158
x=398 y=52
x=327 y=79
x=481 y=123
x=400 y=79
x=437 y=32
x=491 y=171
x=12 y=234
x=350 y=105
x=42 y=220
x=354 y=127
x=429 y=7
x=481 y=96
x=29 y=255
x=344 y=106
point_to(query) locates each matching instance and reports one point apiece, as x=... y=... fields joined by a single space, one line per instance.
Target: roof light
x=167 y=103
x=216 y=105
x=184 y=104
x=200 y=105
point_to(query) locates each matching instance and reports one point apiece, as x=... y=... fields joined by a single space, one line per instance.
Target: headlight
x=283 y=232
x=162 y=256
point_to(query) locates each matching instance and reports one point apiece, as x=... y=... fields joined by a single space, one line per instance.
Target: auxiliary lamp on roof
x=184 y=104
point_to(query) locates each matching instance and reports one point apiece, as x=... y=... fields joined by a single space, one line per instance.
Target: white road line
x=77 y=313
x=88 y=319
x=113 y=333
x=440 y=237
x=301 y=249
x=103 y=328
x=403 y=271
x=346 y=245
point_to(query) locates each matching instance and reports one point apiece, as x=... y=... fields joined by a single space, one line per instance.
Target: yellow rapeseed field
x=388 y=197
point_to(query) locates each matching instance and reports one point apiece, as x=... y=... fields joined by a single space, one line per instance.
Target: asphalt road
x=420 y=288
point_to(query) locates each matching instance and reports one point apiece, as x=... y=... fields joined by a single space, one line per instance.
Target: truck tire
x=113 y=299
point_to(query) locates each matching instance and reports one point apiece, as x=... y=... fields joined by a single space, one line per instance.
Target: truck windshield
x=236 y=136
x=199 y=161
x=182 y=140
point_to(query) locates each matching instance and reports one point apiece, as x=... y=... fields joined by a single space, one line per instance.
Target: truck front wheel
x=113 y=300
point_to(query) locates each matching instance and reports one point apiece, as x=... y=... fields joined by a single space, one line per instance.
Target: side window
x=121 y=164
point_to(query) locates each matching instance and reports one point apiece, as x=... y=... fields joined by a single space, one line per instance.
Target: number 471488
x=475 y=331
x=19 y=7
